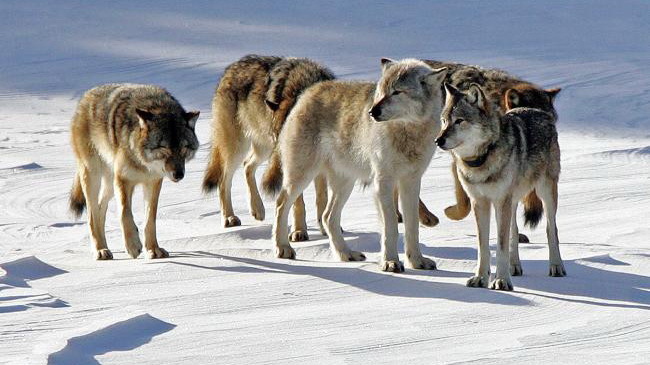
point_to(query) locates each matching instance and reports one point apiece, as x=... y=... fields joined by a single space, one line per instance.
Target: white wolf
x=376 y=133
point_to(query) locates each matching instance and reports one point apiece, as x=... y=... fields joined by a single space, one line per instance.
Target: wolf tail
x=272 y=180
x=77 y=198
x=533 y=209
x=214 y=172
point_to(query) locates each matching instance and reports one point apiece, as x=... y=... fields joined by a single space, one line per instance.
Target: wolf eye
x=458 y=121
x=396 y=92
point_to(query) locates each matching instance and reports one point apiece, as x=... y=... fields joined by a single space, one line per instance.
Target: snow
x=222 y=297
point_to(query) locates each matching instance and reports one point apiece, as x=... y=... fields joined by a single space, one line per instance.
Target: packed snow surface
x=222 y=297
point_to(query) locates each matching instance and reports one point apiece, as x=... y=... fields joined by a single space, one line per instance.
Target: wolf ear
x=272 y=105
x=385 y=63
x=450 y=89
x=511 y=99
x=436 y=76
x=476 y=96
x=552 y=93
x=143 y=117
x=191 y=117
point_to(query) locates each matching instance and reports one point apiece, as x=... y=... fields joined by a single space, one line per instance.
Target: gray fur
x=500 y=159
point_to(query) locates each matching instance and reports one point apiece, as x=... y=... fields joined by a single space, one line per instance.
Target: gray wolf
x=249 y=108
x=124 y=135
x=499 y=160
x=379 y=134
x=504 y=92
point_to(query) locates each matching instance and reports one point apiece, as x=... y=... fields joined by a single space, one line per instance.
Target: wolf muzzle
x=441 y=141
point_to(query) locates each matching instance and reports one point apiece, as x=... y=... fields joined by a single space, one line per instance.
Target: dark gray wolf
x=499 y=160
x=124 y=135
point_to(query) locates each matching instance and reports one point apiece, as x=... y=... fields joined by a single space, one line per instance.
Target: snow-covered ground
x=222 y=297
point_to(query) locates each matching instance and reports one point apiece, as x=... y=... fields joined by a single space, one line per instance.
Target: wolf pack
x=294 y=113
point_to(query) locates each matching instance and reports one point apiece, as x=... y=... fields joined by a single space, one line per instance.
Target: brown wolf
x=504 y=92
x=124 y=135
x=499 y=160
x=249 y=108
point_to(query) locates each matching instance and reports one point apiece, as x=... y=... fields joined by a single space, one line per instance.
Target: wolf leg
x=341 y=190
x=229 y=147
x=228 y=217
x=285 y=199
x=320 y=184
x=256 y=156
x=426 y=217
x=299 y=227
x=504 y=210
x=482 y=274
x=151 y=194
x=384 y=189
x=124 y=191
x=409 y=190
x=400 y=218
x=462 y=207
x=90 y=178
x=548 y=193
x=515 y=263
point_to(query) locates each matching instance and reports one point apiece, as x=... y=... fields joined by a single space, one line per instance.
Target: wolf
x=123 y=135
x=250 y=106
x=380 y=134
x=505 y=92
x=499 y=160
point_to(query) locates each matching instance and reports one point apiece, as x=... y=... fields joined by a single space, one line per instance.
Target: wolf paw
x=298 y=236
x=157 y=253
x=501 y=284
x=103 y=254
x=285 y=252
x=232 y=221
x=352 y=256
x=556 y=270
x=516 y=270
x=134 y=248
x=523 y=238
x=392 y=266
x=477 y=281
x=422 y=263
x=429 y=219
x=453 y=212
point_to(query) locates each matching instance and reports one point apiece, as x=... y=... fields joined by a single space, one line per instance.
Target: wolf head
x=468 y=121
x=167 y=141
x=526 y=95
x=408 y=90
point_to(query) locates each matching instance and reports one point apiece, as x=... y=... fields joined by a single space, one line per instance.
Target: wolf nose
x=374 y=112
x=178 y=175
x=440 y=141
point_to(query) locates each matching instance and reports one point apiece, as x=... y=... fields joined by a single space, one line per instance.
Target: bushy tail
x=272 y=180
x=77 y=198
x=214 y=172
x=533 y=209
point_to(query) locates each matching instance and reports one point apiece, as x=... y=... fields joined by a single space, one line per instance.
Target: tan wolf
x=499 y=160
x=124 y=135
x=504 y=92
x=249 y=108
x=379 y=134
